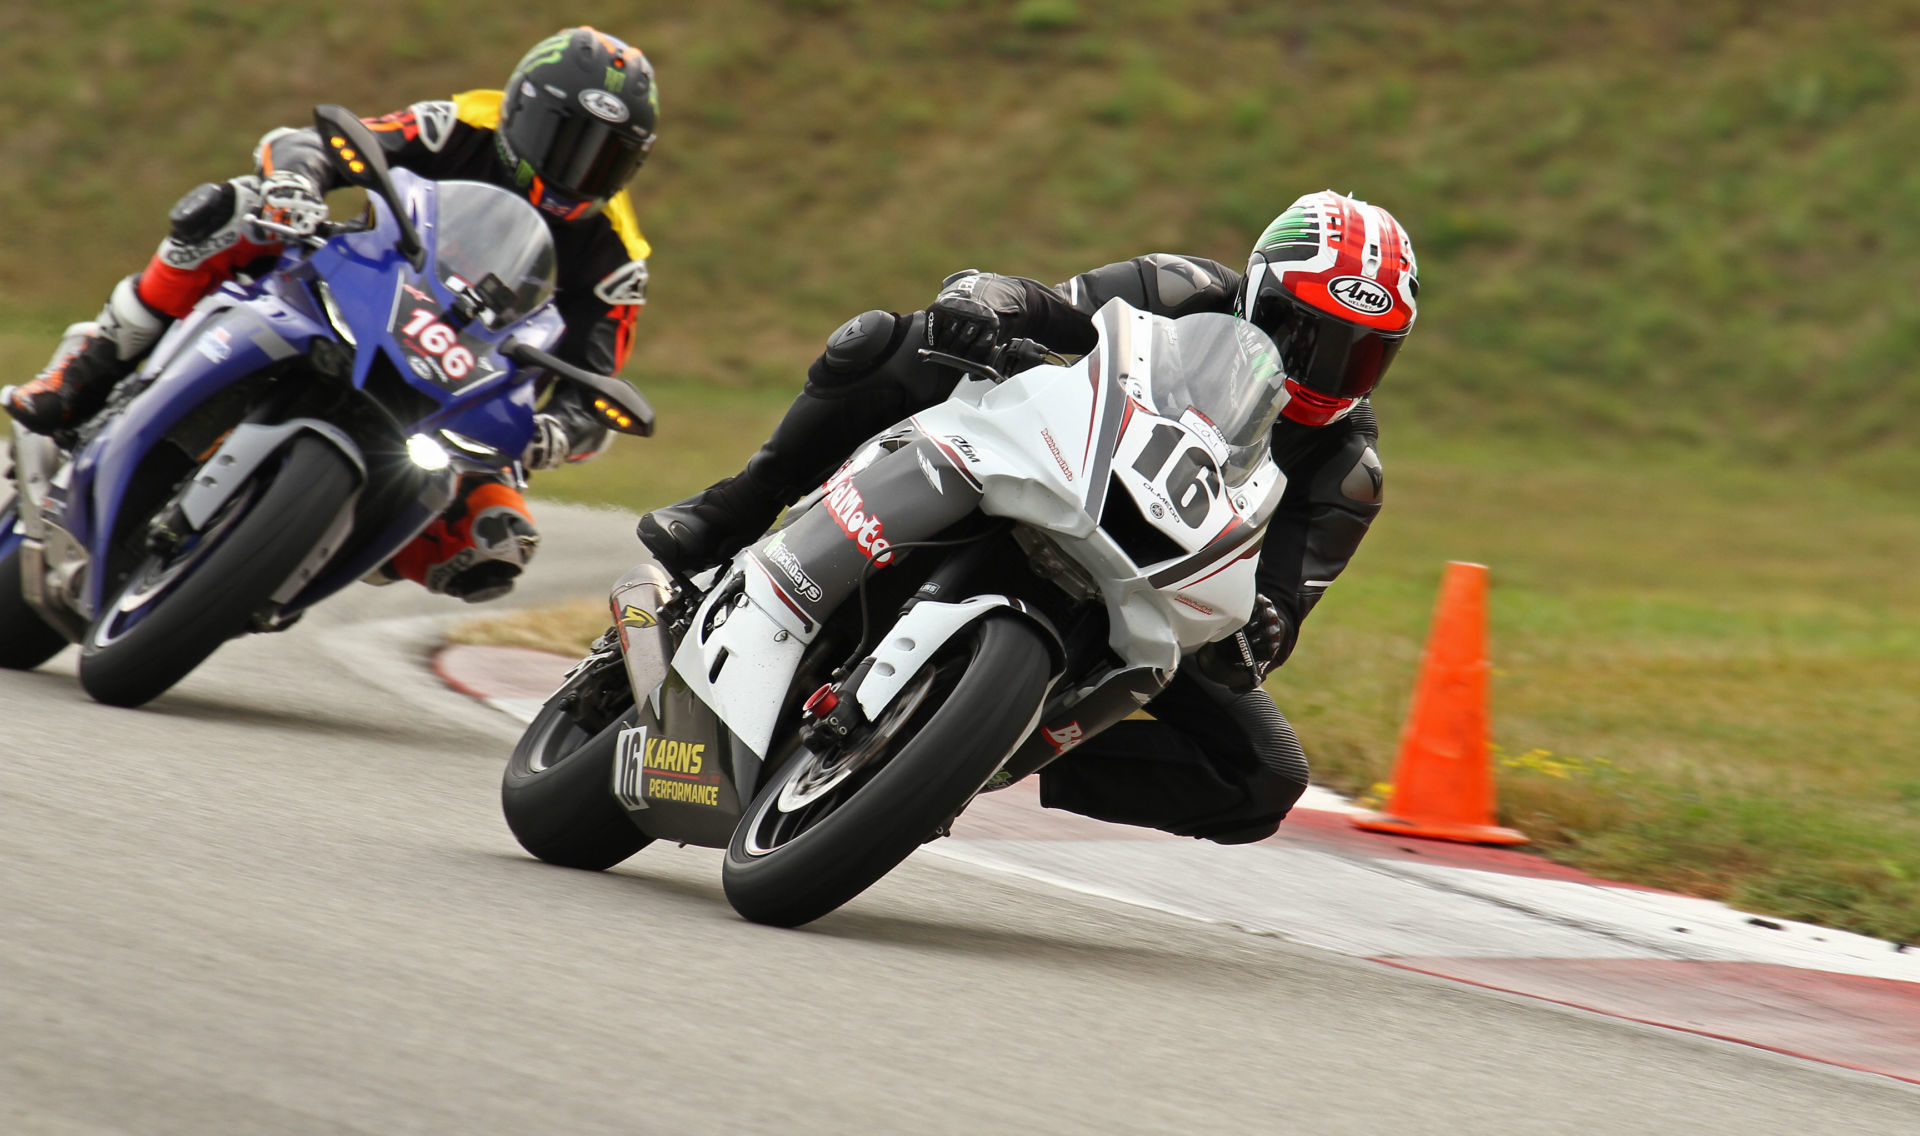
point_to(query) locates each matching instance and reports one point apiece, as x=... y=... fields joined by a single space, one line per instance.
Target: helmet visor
x=581 y=156
x=1323 y=353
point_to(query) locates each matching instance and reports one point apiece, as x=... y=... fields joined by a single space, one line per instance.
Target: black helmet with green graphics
x=577 y=120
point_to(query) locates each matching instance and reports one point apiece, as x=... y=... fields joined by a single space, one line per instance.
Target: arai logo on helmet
x=604 y=105
x=1365 y=296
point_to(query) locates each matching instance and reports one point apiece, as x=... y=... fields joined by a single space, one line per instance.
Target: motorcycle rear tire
x=929 y=775
x=557 y=792
x=218 y=597
x=25 y=639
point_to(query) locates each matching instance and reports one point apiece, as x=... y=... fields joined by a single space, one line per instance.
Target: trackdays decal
x=848 y=510
x=783 y=557
x=1365 y=296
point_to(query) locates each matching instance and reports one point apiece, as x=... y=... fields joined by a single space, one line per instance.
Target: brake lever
x=960 y=363
x=291 y=234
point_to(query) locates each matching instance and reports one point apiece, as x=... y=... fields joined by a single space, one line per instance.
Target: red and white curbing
x=1489 y=917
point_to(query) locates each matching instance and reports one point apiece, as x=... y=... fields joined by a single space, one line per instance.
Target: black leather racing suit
x=1211 y=763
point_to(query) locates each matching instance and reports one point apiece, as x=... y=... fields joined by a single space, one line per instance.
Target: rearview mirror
x=355 y=153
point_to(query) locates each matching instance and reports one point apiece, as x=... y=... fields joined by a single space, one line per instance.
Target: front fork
x=835 y=715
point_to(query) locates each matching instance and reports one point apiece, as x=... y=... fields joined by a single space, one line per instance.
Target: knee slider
x=1364 y=481
x=861 y=344
x=204 y=211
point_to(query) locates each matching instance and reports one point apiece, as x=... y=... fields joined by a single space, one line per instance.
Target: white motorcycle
x=980 y=589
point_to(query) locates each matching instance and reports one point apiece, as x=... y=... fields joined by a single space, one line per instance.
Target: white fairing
x=913 y=641
x=1032 y=443
x=1047 y=447
x=756 y=656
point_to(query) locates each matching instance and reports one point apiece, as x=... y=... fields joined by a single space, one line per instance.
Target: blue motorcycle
x=292 y=433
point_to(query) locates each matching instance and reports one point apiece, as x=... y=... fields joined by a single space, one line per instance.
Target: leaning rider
x=1334 y=282
x=573 y=125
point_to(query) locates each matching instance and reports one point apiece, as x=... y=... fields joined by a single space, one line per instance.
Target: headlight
x=334 y=316
x=427 y=453
x=476 y=448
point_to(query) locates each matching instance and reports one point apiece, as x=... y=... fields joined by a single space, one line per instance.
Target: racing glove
x=291 y=199
x=1240 y=662
x=966 y=318
x=550 y=446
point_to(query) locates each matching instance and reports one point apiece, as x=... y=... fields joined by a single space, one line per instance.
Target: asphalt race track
x=281 y=900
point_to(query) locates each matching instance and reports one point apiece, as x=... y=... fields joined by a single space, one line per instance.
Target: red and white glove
x=290 y=199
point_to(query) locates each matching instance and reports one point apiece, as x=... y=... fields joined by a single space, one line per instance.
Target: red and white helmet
x=1333 y=281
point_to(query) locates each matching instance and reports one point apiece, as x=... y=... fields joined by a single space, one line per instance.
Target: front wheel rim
x=156 y=575
x=813 y=787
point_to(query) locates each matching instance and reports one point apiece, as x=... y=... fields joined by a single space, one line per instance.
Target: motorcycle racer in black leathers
x=574 y=123
x=1333 y=281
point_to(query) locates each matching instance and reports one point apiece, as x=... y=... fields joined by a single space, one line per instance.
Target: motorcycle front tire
x=230 y=582
x=946 y=753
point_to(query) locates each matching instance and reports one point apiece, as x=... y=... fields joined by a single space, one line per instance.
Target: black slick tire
x=25 y=639
x=236 y=577
x=941 y=758
x=557 y=792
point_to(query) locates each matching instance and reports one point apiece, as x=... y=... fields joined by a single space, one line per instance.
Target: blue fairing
x=252 y=333
x=242 y=329
x=9 y=540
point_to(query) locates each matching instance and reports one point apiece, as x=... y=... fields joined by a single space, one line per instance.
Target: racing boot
x=709 y=527
x=475 y=550
x=90 y=361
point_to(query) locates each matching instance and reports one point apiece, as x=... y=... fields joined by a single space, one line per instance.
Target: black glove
x=966 y=318
x=1241 y=661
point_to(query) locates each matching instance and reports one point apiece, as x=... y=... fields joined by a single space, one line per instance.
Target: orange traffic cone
x=1443 y=778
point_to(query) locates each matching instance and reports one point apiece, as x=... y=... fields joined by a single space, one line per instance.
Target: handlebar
x=1010 y=358
x=320 y=235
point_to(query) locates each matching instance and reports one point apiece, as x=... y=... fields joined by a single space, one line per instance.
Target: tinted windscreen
x=1225 y=370
x=485 y=229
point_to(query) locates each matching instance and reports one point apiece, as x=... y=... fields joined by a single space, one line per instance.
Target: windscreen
x=1218 y=374
x=483 y=229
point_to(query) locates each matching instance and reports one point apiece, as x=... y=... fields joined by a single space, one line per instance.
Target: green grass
x=1663 y=381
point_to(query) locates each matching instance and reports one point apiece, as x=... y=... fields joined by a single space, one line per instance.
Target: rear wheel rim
x=563 y=734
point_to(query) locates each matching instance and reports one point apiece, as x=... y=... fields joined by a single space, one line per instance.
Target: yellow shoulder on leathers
x=482 y=109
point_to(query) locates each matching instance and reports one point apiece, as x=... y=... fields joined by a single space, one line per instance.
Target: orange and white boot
x=475 y=549
x=90 y=361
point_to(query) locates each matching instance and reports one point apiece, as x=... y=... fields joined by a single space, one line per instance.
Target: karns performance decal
x=634 y=617
x=664 y=770
x=848 y=510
